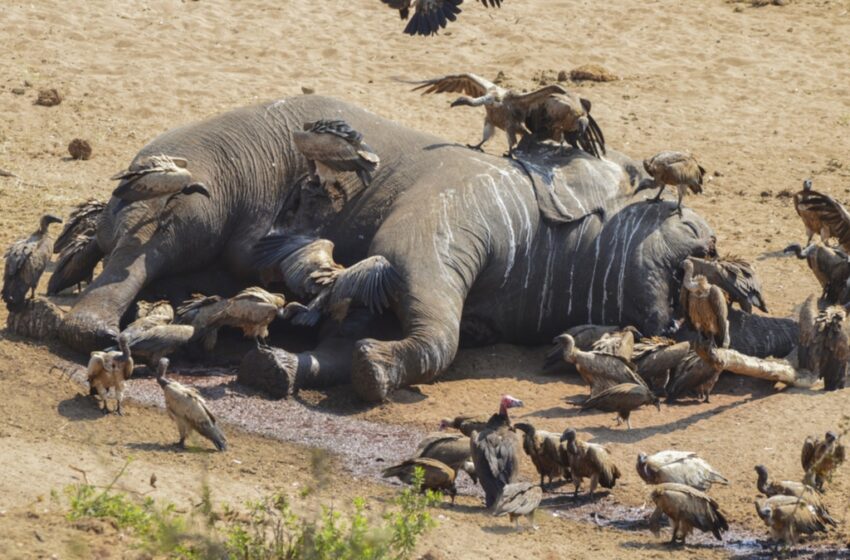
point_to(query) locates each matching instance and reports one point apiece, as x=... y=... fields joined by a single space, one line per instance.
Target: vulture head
x=445 y=424
x=641 y=465
x=761 y=472
x=48 y=219
x=569 y=435
x=830 y=437
x=797 y=250
x=807 y=185
x=764 y=512
x=525 y=428
x=161 y=368
x=568 y=345
x=508 y=402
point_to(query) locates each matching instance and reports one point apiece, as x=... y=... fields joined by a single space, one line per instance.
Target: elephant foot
x=374 y=371
x=85 y=331
x=271 y=370
x=37 y=318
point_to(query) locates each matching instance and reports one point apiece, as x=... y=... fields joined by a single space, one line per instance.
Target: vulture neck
x=762 y=483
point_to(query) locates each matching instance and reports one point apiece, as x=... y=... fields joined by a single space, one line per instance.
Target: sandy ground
x=762 y=96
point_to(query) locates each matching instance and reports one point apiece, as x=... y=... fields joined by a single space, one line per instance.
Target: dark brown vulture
x=688 y=509
x=465 y=423
x=429 y=16
x=82 y=221
x=543 y=448
x=108 y=370
x=26 y=260
x=78 y=249
x=704 y=306
x=795 y=489
x=823 y=215
x=495 y=452
x=825 y=343
x=600 y=371
x=789 y=517
x=562 y=116
x=333 y=147
x=735 y=277
x=681 y=467
x=696 y=374
x=200 y=312
x=820 y=457
x=588 y=460
x=188 y=409
x=830 y=266
x=517 y=500
x=656 y=357
x=451 y=449
x=622 y=399
x=676 y=169
x=437 y=475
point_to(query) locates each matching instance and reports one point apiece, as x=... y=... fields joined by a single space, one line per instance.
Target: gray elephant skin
x=489 y=249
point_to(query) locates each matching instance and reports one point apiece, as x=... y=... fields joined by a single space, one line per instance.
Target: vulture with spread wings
x=429 y=16
x=823 y=215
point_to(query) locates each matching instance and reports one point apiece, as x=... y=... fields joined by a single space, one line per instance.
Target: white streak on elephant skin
x=593 y=278
x=545 y=295
x=577 y=246
x=621 y=280
x=488 y=181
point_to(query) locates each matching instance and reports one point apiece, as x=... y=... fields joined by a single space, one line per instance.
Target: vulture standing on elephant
x=188 y=409
x=495 y=451
x=696 y=374
x=429 y=16
x=588 y=460
x=704 y=306
x=544 y=449
x=599 y=371
x=154 y=177
x=680 y=467
x=26 y=260
x=830 y=266
x=687 y=508
x=825 y=343
x=252 y=310
x=451 y=449
x=108 y=370
x=333 y=147
x=823 y=215
x=792 y=488
x=622 y=399
x=789 y=517
x=735 y=277
x=562 y=116
x=466 y=423
x=199 y=312
x=517 y=500
x=78 y=249
x=820 y=458
x=656 y=357
x=437 y=475
x=676 y=169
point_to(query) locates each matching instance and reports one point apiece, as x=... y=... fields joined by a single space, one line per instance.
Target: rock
x=38 y=319
x=593 y=73
x=79 y=149
x=307 y=90
x=270 y=370
x=18 y=91
x=48 y=97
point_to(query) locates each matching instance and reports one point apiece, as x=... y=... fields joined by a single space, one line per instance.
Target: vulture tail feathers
x=214 y=434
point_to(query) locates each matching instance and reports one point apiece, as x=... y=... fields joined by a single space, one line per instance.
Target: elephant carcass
x=516 y=251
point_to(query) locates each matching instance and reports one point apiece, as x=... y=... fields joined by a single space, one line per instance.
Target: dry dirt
x=761 y=95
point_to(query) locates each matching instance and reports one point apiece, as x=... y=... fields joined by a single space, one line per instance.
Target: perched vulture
x=543 y=448
x=108 y=370
x=618 y=343
x=735 y=277
x=696 y=374
x=599 y=371
x=656 y=357
x=820 y=458
x=588 y=460
x=82 y=221
x=26 y=260
x=562 y=116
x=789 y=517
x=830 y=266
x=687 y=508
x=189 y=410
x=495 y=452
x=199 y=311
x=795 y=489
x=704 y=306
x=622 y=399
x=451 y=449
x=675 y=169
x=333 y=147
x=437 y=475
x=465 y=423
x=518 y=499
x=825 y=343
x=76 y=264
x=680 y=467
x=429 y=16
x=823 y=215
x=252 y=310
x=585 y=336
x=156 y=176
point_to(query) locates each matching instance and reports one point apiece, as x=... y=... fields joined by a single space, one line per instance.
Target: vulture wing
x=828 y=211
x=519 y=498
x=721 y=313
x=808 y=316
x=372 y=283
x=526 y=102
x=96 y=366
x=736 y=277
x=496 y=462
x=689 y=374
x=82 y=221
x=696 y=508
x=469 y=84
x=75 y=264
x=186 y=403
x=161 y=339
x=623 y=396
x=807 y=456
x=601 y=462
x=306 y=263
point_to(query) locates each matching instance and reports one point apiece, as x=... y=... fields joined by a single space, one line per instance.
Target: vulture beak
x=51 y=219
x=511 y=402
x=444 y=424
x=646 y=184
x=658 y=405
x=199 y=188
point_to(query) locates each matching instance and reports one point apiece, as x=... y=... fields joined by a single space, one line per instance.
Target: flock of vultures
x=623 y=369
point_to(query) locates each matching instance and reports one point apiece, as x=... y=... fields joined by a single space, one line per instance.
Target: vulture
x=437 y=475
x=830 y=266
x=823 y=215
x=82 y=221
x=680 y=467
x=156 y=176
x=109 y=369
x=75 y=264
x=587 y=460
x=704 y=306
x=543 y=448
x=451 y=449
x=599 y=371
x=825 y=343
x=199 y=311
x=585 y=336
x=687 y=508
x=252 y=310
x=465 y=423
x=188 y=409
x=495 y=452
x=429 y=16
x=305 y=264
x=517 y=500
x=152 y=336
x=26 y=260
x=333 y=147
x=675 y=169
x=794 y=489
x=820 y=458
x=564 y=117
x=696 y=374
x=789 y=517
x=735 y=277
x=622 y=399
x=619 y=343
x=656 y=357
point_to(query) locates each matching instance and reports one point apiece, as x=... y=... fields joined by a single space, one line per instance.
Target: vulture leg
x=104 y=406
x=681 y=196
x=594 y=480
x=119 y=396
x=488 y=133
x=657 y=197
x=577 y=484
x=628 y=421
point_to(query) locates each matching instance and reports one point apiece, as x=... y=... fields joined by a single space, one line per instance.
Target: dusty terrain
x=761 y=95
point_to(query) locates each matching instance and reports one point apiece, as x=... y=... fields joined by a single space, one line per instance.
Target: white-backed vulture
x=437 y=475
x=188 y=409
x=82 y=221
x=676 y=169
x=588 y=460
x=517 y=500
x=429 y=16
x=600 y=371
x=152 y=336
x=696 y=374
x=26 y=260
x=820 y=457
x=681 y=467
x=735 y=277
x=688 y=509
x=333 y=147
x=618 y=343
x=770 y=488
x=156 y=176
x=544 y=449
x=585 y=336
x=562 y=117
x=108 y=370
x=200 y=312
x=451 y=449
x=495 y=452
x=622 y=399
x=656 y=357
x=830 y=266
x=789 y=517
x=466 y=423
x=823 y=215
x=252 y=310
x=704 y=306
